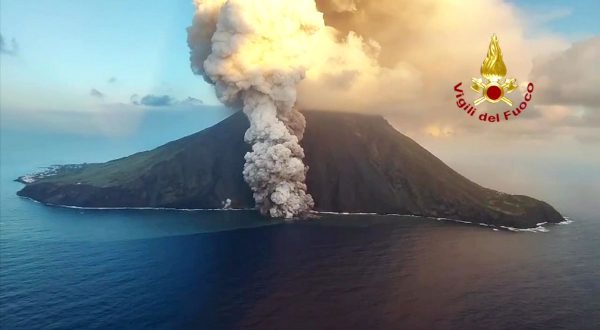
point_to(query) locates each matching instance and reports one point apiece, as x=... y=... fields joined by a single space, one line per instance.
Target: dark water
x=79 y=269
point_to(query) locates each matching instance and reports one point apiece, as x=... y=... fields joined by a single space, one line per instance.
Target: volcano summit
x=357 y=163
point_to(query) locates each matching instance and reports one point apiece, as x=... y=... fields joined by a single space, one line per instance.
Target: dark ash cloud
x=12 y=50
x=96 y=93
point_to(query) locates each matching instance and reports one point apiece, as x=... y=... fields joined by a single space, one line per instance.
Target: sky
x=121 y=48
x=573 y=19
x=118 y=48
x=97 y=67
x=111 y=49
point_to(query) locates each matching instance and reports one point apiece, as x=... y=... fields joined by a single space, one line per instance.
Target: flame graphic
x=493 y=67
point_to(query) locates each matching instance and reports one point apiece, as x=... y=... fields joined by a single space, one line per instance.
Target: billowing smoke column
x=253 y=51
x=375 y=56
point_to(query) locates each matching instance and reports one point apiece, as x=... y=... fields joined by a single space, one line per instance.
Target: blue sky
x=572 y=19
x=67 y=48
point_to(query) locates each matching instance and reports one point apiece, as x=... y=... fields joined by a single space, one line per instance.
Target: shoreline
x=540 y=227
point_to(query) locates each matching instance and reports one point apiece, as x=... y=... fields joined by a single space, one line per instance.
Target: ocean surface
x=66 y=268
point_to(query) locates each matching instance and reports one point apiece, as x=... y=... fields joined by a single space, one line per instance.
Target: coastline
x=541 y=227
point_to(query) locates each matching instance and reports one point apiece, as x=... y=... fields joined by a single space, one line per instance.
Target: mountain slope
x=358 y=163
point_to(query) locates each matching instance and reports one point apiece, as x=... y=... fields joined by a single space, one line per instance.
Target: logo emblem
x=493 y=86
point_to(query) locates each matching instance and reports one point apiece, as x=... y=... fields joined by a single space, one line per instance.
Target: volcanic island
x=357 y=164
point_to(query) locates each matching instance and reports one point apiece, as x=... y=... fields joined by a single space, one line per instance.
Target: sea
x=66 y=268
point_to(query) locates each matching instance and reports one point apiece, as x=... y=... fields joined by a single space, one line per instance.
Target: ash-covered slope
x=358 y=163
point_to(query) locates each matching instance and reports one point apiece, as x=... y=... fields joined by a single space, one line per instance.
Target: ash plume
x=396 y=58
x=253 y=52
x=270 y=56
